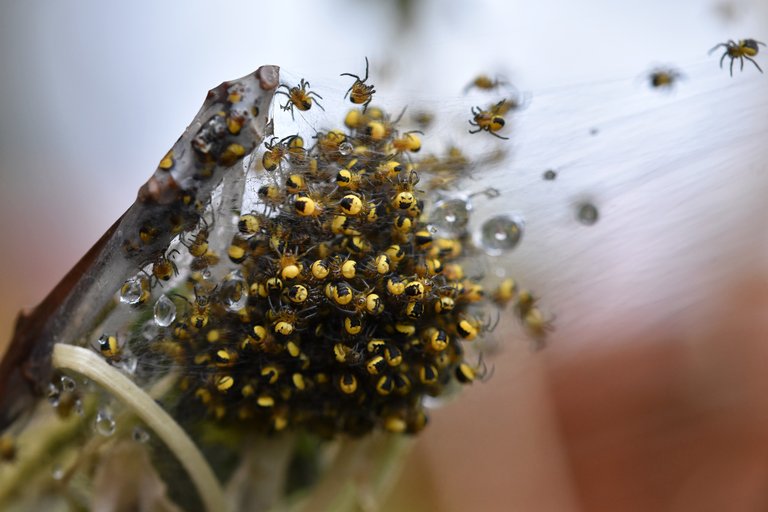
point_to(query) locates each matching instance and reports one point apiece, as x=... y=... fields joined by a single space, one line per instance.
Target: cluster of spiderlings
x=343 y=310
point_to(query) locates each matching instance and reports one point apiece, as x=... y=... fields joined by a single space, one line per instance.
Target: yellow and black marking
x=299 y=97
x=359 y=92
x=356 y=310
x=743 y=49
x=485 y=83
x=490 y=120
x=109 y=346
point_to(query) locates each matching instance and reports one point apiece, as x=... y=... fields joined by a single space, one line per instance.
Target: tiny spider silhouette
x=488 y=120
x=359 y=92
x=744 y=49
x=299 y=97
x=664 y=77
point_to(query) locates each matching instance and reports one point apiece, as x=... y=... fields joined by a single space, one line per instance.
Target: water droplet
x=165 y=311
x=207 y=274
x=149 y=331
x=54 y=394
x=57 y=472
x=134 y=290
x=79 y=409
x=587 y=213
x=501 y=233
x=104 y=422
x=234 y=291
x=127 y=363
x=140 y=435
x=451 y=215
x=68 y=383
x=491 y=193
x=346 y=148
x=549 y=175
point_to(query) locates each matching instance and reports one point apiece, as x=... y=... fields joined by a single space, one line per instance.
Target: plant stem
x=88 y=364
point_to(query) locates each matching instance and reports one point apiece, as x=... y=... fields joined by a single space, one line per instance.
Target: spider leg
x=366 y=69
x=722 y=59
x=741 y=58
x=400 y=115
x=318 y=103
x=715 y=48
x=476 y=131
x=492 y=324
x=732 y=60
x=353 y=76
x=289 y=106
x=753 y=61
x=497 y=135
x=348 y=91
x=313 y=93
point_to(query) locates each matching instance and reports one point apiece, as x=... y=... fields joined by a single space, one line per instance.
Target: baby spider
x=275 y=151
x=359 y=93
x=664 y=78
x=299 y=97
x=488 y=120
x=485 y=83
x=744 y=49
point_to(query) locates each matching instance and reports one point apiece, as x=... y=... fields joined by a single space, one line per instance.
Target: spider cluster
x=340 y=310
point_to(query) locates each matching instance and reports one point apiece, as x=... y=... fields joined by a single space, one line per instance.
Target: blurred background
x=648 y=394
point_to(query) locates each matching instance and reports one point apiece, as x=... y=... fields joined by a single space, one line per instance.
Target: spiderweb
x=517 y=218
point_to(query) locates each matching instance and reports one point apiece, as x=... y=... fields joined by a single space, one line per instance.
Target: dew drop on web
x=451 y=215
x=234 y=291
x=68 y=383
x=131 y=291
x=140 y=435
x=501 y=233
x=104 y=422
x=587 y=213
x=165 y=311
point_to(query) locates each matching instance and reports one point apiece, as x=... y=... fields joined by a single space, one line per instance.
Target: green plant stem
x=90 y=365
